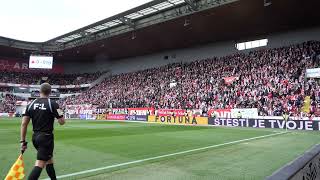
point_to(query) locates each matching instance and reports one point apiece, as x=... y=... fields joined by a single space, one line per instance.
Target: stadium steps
x=100 y=79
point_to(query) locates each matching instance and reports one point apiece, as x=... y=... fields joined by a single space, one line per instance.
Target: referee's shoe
x=42 y=111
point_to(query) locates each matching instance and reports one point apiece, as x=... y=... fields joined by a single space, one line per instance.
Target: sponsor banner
x=185 y=120
x=220 y=113
x=140 y=111
x=245 y=113
x=101 y=117
x=136 y=117
x=87 y=116
x=267 y=123
x=119 y=111
x=313 y=73
x=82 y=116
x=116 y=117
x=13 y=65
x=168 y=112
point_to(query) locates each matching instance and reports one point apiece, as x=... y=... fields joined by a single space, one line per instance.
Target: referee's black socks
x=35 y=173
x=51 y=172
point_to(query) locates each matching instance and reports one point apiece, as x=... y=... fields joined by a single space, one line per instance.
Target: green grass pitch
x=85 y=145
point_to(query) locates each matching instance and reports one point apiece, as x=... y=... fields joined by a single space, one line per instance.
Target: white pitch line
x=163 y=156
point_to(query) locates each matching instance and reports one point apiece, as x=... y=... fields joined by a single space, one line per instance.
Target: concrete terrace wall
x=100 y=63
x=189 y=54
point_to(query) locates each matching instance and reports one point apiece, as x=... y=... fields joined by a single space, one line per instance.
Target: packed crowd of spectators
x=272 y=80
x=55 y=79
x=8 y=103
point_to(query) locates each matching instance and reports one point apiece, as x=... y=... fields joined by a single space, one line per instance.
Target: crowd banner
x=119 y=111
x=233 y=113
x=220 y=113
x=80 y=111
x=266 y=123
x=195 y=112
x=229 y=80
x=183 y=120
x=313 y=73
x=245 y=113
x=101 y=110
x=52 y=95
x=168 y=112
x=136 y=118
x=140 y=111
x=116 y=117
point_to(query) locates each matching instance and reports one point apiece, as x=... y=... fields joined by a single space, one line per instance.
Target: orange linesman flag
x=17 y=170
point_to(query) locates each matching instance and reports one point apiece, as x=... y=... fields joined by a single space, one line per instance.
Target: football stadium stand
x=272 y=80
x=8 y=102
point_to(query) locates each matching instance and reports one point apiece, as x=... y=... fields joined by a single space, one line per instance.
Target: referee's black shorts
x=44 y=143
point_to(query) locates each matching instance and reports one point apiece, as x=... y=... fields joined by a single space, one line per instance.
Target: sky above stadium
x=41 y=20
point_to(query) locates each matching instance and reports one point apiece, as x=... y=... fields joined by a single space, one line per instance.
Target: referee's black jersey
x=42 y=111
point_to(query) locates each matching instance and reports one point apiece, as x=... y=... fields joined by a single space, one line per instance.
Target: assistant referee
x=42 y=111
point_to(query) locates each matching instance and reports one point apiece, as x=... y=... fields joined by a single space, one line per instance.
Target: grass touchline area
x=167 y=155
x=144 y=151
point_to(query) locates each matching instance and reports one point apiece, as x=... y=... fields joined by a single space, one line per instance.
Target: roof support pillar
x=193 y=4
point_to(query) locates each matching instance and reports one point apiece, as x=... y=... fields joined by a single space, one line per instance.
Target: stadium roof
x=154 y=12
x=117 y=20
x=170 y=24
